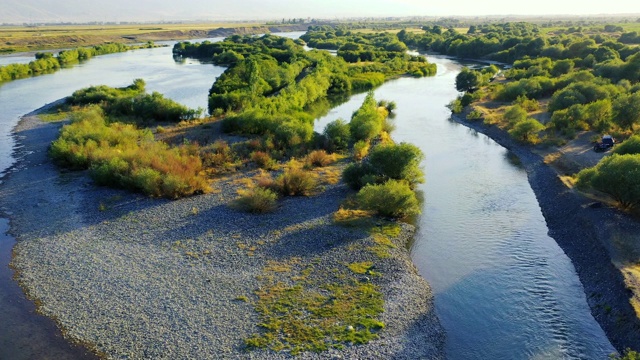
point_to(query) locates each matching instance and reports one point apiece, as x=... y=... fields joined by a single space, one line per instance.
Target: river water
x=503 y=289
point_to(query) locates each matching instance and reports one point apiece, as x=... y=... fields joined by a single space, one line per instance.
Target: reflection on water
x=503 y=288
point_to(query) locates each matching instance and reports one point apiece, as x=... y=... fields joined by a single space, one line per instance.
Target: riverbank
x=587 y=233
x=149 y=278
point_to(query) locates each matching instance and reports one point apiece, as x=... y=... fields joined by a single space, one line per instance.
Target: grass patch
x=353 y=218
x=304 y=313
x=363 y=268
x=382 y=245
x=55 y=116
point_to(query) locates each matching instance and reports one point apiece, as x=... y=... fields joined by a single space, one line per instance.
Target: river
x=503 y=288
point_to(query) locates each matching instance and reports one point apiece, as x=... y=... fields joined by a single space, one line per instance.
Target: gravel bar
x=141 y=278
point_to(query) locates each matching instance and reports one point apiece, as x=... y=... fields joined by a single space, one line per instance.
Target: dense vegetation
x=120 y=155
x=272 y=82
x=46 y=62
x=134 y=103
x=556 y=85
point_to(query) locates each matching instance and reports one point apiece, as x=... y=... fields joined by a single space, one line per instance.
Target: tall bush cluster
x=120 y=155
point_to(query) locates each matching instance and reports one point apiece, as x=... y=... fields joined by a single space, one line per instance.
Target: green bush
x=456 y=106
x=616 y=175
x=338 y=134
x=256 y=200
x=397 y=161
x=515 y=114
x=629 y=146
x=527 y=104
x=527 y=131
x=358 y=175
x=392 y=199
x=366 y=122
x=475 y=115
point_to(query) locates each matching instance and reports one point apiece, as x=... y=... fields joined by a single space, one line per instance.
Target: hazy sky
x=17 y=11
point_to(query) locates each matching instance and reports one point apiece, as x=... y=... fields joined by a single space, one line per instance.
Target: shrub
x=358 y=175
x=399 y=162
x=527 y=104
x=475 y=115
x=515 y=114
x=337 y=134
x=295 y=181
x=122 y=156
x=616 y=175
x=456 y=106
x=256 y=200
x=320 y=158
x=392 y=199
x=264 y=180
x=360 y=150
x=366 y=122
x=527 y=131
x=263 y=160
x=220 y=155
x=629 y=146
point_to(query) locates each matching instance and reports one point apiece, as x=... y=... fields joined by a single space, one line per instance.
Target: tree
x=598 y=114
x=616 y=175
x=562 y=67
x=515 y=114
x=527 y=131
x=468 y=79
x=399 y=162
x=626 y=110
x=366 y=122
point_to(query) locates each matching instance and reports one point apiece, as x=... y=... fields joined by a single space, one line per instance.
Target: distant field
x=20 y=38
x=635 y=26
x=368 y=31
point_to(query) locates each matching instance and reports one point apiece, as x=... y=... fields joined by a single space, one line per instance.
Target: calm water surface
x=503 y=288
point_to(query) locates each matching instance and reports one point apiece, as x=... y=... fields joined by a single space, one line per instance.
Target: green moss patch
x=301 y=312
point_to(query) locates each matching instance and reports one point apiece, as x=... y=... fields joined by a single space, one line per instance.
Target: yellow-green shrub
x=120 y=155
x=256 y=200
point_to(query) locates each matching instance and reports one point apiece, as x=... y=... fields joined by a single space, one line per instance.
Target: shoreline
x=116 y=269
x=585 y=233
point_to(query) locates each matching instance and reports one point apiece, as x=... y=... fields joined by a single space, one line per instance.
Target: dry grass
x=632 y=279
x=21 y=38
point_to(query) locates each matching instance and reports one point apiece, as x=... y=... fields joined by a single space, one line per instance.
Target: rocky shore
x=137 y=278
x=587 y=232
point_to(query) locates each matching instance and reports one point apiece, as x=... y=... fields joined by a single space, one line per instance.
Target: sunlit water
x=503 y=288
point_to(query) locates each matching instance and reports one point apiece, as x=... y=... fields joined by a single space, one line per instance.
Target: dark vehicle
x=605 y=144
